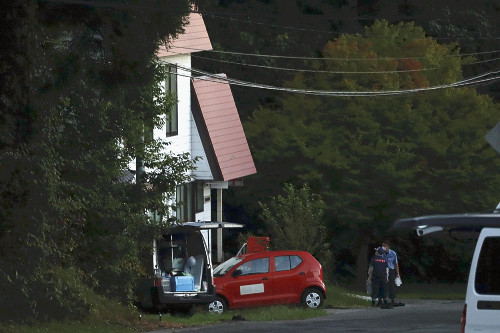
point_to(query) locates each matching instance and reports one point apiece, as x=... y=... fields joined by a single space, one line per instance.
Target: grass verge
x=454 y=291
x=341 y=298
x=109 y=317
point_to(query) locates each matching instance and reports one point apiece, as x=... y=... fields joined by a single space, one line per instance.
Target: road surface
x=419 y=316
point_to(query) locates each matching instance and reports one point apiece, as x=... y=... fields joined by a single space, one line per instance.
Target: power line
x=313 y=70
x=108 y=4
x=473 y=81
x=232 y=19
x=325 y=58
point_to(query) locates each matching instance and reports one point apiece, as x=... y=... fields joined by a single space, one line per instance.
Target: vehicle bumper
x=180 y=298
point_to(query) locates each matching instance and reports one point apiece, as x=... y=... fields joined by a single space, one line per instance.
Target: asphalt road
x=429 y=316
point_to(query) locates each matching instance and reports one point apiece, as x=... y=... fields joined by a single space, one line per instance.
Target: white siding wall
x=181 y=142
x=202 y=171
x=188 y=139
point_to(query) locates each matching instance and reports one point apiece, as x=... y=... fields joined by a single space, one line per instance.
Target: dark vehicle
x=268 y=278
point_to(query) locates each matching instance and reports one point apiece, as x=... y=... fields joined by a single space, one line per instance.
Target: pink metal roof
x=194 y=39
x=220 y=129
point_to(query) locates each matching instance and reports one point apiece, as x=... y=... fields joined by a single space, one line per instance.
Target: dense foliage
x=372 y=159
x=295 y=221
x=78 y=83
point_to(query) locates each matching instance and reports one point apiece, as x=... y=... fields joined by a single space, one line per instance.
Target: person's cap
x=380 y=250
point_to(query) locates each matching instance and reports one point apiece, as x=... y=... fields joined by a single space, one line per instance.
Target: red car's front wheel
x=218 y=306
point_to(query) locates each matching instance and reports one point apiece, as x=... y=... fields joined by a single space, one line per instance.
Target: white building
x=205 y=123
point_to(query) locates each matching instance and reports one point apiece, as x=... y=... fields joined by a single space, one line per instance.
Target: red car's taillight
x=464 y=315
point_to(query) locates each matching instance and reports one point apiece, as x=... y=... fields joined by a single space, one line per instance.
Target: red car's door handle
x=302 y=273
x=264 y=278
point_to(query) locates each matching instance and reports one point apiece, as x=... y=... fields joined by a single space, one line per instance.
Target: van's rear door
x=483 y=290
x=453 y=224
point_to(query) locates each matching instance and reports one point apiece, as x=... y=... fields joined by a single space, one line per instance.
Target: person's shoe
x=379 y=302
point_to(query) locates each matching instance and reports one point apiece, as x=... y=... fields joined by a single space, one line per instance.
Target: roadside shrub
x=295 y=222
x=51 y=294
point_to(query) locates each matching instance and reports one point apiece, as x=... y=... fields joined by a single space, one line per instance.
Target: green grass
x=64 y=327
x=339 y=297
x=109 y=317
x=432 y=291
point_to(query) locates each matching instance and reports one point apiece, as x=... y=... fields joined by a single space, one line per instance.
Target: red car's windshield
x=226 y=266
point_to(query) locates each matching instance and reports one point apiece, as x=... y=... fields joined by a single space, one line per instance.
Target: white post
x=220 y=254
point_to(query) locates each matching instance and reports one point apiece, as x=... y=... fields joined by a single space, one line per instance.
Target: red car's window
x=256 y=266
x=286 y=263
x=295 y=261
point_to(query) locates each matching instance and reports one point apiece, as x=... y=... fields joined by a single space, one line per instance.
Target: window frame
x=487 y=272
x=171 y=87
x=244 y=273
x=188 y=197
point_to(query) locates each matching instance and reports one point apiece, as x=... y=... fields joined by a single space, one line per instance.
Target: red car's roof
x=274 y=253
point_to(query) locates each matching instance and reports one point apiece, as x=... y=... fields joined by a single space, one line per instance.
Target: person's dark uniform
x=378 y=274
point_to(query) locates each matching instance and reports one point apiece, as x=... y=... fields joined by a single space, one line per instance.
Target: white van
x=481 y=312
x=181 y=276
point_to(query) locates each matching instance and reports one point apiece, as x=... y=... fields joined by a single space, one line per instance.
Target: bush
x=295 y=222
x=54 y=293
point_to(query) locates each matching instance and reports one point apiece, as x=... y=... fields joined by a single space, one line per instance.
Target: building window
x=172 y=117
x=189 y=198
x=199 y=197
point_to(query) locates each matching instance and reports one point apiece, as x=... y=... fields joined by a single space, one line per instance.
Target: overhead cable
x=314 y=70
x=322 y=58
x=232 y=19
x=473 y=81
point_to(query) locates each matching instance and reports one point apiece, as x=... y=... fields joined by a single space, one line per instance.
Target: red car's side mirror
x=237 y=272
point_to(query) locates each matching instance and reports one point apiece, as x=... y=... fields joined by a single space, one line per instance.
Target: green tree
x=377 y=159
x=295 y=222
x=80 y=81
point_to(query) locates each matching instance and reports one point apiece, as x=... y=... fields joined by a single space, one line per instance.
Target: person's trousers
x=378 y=285
x=391 y=285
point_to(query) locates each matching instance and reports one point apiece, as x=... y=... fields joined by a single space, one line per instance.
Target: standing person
x=377 y=273
x=392 y=262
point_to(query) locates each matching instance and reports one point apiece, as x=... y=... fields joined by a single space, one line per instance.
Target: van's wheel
x=218 y=306
x=311 y=298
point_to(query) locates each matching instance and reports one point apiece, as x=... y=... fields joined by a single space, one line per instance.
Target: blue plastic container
x=181 y=283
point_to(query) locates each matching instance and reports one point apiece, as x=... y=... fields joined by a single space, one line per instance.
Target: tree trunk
x=362 y=266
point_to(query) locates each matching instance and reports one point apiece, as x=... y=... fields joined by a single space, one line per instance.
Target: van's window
x=488 y=267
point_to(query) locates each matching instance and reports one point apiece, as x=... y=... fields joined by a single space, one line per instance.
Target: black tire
x=218 y=307
x=312 y=298
x=183 y=311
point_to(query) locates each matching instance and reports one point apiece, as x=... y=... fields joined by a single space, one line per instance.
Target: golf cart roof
x=466 y=222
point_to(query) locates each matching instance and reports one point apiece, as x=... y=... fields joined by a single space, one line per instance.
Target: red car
x=268 y=278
